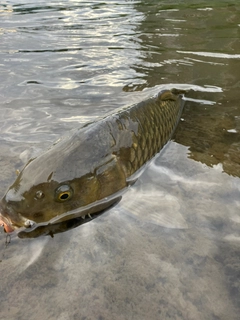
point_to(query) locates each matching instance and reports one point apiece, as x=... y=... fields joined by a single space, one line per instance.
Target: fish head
x=33 y=198
x=50 y=188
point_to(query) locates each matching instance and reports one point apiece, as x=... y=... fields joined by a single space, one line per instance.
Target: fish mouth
x=5 y=220
x=6 y=224
x=12 y=220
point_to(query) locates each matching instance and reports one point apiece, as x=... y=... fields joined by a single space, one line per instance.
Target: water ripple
x=213 y=54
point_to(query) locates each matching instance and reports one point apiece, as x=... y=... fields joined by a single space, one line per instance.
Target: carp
x=86 y=172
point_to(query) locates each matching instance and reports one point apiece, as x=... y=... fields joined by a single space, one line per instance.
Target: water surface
x=170 y=249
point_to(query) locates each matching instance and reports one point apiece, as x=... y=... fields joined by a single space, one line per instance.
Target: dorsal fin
x=170 y=94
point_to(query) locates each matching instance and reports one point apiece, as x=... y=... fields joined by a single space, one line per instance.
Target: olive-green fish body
x=81 y=171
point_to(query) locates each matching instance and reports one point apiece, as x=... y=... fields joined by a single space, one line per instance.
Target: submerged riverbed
x=170 y=249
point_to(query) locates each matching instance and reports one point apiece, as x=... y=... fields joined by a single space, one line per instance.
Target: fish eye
x=39 y=194
x=63 y=193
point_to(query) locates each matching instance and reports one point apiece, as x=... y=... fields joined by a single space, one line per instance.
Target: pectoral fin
x=155 y=207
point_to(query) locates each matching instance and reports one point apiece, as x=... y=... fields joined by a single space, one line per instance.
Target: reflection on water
x=170 y=249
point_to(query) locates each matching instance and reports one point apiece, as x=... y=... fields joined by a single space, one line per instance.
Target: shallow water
x=170 y=249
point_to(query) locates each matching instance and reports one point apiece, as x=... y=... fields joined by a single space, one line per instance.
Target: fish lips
x=11 y=220
x=6 y=224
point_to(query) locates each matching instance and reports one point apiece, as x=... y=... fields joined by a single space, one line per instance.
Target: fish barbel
x=83 y=173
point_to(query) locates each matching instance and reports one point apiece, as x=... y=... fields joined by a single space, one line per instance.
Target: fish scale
x=154 y=130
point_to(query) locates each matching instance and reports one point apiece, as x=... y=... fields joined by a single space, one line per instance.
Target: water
x=170 y=249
